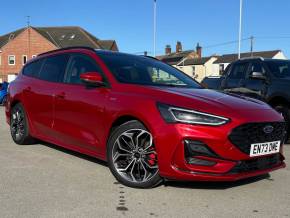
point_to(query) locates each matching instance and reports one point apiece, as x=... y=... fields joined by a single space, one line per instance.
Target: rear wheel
x=132 y=157
x=19 y=128
x=284 y=110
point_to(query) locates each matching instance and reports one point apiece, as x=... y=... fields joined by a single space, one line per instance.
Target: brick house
x=17 y=47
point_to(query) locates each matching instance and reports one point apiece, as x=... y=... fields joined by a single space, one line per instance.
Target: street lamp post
x=240 y=29
x=154 y=28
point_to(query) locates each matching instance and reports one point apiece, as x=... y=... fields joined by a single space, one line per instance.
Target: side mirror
x=257 y=75
x=92 y=78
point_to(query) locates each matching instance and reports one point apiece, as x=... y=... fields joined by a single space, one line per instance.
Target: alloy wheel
x=134 y=156
x=17 y=124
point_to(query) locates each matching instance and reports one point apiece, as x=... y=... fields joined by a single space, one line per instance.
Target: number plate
x=260 y=149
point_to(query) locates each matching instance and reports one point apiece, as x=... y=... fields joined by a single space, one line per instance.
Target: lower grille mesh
x=261 y=163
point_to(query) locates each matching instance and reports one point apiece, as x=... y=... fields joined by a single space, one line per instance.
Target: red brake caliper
x=152 y=158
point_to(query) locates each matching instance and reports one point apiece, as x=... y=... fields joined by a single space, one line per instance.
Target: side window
x=32 y=69
x=239 y=71
x=257 y=67
x=80 y=64
x=53 y=68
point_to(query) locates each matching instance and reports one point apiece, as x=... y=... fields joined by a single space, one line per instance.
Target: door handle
x=60 y=95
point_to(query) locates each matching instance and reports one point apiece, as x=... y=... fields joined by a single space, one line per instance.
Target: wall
x=20 y=46
x=280 y=55
x=201 y=71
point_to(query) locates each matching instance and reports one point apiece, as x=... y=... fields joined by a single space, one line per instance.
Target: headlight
x=173 y=114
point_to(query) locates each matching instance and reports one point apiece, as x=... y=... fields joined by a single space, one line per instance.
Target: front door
x=79 y=109
x=256 y=88
x=234 y=81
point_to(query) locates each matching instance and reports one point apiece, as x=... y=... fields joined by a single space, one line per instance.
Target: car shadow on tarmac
x=74 y=153
x=216 y=185
x=167 y=183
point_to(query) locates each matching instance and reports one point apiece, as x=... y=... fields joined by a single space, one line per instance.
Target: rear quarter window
x=32 y=69
x=53 y=68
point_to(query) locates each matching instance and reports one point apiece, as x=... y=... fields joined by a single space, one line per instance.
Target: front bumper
x=199 y=176
x=174 y=166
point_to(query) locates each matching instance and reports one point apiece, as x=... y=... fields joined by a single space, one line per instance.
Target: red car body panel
x=80 y=119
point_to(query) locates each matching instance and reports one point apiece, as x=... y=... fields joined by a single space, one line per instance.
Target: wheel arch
x=124 y=119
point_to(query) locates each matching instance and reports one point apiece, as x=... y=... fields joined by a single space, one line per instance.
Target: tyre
x=19 y=127
x=285 y=112
x=132 y=157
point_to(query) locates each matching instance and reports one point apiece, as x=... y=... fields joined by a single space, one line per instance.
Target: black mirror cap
x=258 y=75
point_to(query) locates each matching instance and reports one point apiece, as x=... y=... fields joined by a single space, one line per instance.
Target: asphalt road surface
x=44 y=180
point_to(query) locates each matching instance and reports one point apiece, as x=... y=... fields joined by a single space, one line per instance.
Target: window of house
x=24 y=59
x=11 y=59
x=193 y=70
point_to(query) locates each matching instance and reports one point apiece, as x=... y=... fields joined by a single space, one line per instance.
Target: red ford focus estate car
x=148 y=120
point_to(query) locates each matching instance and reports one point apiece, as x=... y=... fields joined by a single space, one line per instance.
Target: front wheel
x=132 y=156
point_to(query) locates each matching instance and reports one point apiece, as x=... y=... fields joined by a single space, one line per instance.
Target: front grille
x=261 y=163
x=251 y=133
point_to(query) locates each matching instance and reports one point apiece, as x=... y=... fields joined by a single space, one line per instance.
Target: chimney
x=178 y=47
x=198 y=50
x=168 y=49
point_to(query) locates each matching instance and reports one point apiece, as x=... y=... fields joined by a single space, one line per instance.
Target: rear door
x=235 y=80
x=79 y=109
x=44 y=77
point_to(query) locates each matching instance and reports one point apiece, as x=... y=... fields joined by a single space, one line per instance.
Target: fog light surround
x=194 y=151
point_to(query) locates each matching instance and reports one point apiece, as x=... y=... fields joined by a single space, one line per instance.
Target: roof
x=228 y=58
x=175 y=57
x=5 y=38
x=66 y=36
x=107 y=44
x=196 y=61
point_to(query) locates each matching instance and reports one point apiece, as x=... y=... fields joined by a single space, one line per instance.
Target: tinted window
x=32 y=69
x=239 y=71
x=280 y=69
x=145 y=71
x=53 y=68
x=256 y=67
x=80 y=64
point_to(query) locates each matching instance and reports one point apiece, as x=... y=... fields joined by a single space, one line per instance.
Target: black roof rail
x=252 y=58
x=68 y=48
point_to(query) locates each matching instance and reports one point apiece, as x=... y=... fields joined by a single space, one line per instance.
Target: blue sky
x=130 y=22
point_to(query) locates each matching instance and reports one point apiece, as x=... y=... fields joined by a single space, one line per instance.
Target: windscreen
x=146 y=71
x=280 y=69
